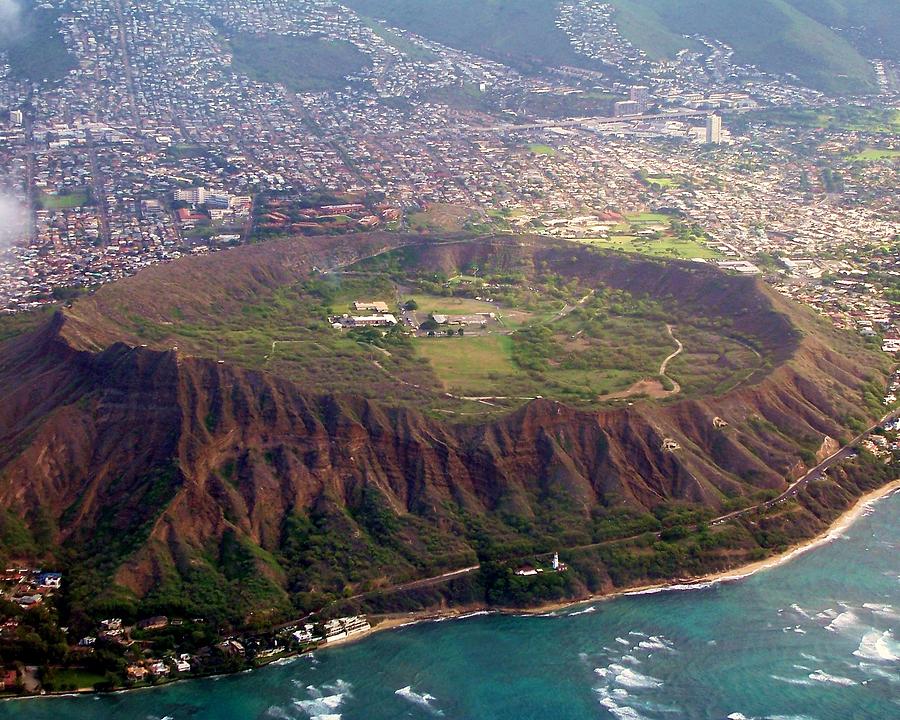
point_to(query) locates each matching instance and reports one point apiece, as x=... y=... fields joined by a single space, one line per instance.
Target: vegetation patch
x=35 y=48
x=875 y=154
x=65 y=200
x=301 y=64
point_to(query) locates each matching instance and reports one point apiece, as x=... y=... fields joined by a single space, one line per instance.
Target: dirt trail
x=676 y=388
x=652 y=387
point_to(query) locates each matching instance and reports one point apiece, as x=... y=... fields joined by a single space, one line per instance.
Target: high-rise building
x=16 y=117
x=713 y=129
x=641 y=95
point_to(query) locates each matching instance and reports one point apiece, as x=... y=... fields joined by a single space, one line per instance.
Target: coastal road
x=814 y=474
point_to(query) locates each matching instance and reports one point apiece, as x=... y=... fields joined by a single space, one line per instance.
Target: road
x=791 y=492
x=842 y=454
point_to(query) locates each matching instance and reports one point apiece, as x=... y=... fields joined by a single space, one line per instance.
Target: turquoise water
x=814 y=638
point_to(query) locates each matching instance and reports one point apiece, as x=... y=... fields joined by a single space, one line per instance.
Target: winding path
x=676 y=388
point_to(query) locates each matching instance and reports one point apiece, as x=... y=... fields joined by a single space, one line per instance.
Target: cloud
x=10 y=19
x=13 y=220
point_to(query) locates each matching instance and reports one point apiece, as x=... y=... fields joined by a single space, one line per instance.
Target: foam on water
x=844 y=622
x=616 y=707
x=278 y=712
x=655 y=643
x=423 y=700
x=324 y=701
x=822 y=676
x=586 y=611
x=800 y=611
x=878 y=646
x=791 y=681
x=633 y=679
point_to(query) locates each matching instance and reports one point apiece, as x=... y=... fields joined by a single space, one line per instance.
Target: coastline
x=387 y=622
x=840 y=524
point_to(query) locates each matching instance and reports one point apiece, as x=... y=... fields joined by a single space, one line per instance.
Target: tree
x=410 y=305
x=450 y=332
x=459 y=332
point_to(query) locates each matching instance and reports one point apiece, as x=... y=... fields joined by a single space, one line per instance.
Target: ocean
x=815 y=638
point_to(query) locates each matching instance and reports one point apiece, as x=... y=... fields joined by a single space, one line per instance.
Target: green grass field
x=470 y=365
x=75 y=199
x=540 y=149
x=648 y=217
x=301 y=64
x=666 y=247
x=75 y=678
x=661 y=180
x=407 y=47
x=875 y=154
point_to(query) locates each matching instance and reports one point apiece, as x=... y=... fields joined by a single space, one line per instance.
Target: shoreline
x=388 y=622
x=836 y=528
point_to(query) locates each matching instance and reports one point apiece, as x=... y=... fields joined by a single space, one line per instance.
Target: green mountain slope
x=776 y=35
x=874 y=24
x=522 y=33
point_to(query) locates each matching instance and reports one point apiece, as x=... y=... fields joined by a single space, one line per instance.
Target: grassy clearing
x=665 y=247
x=662 y=181
x=78 y=198
x=440 y=217
x=540 y=149
x=75 y=678
x=397 y=41
x=648 y=217
x=301 y=64
x=470 y=365
x=711 y=362
x=449 y=305
x=874 y=154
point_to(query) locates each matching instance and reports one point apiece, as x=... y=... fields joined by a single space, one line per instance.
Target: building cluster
x=28 y=587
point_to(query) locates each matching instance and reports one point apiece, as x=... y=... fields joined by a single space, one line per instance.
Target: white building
x=714 y=129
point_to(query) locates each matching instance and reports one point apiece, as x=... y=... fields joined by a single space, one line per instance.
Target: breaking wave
x=878 y=646
x=324 y=701
x=423 y=700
